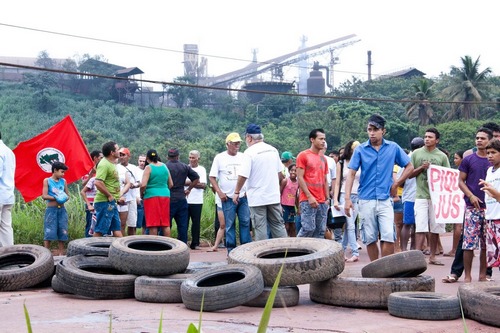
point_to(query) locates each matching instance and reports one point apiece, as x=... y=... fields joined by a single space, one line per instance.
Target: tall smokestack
x=369 y=65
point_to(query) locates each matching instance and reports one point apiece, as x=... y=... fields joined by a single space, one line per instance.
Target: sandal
x=449 y=254
x=426 y=252
x=449 y=279
x=436 y=262
x=352 y=259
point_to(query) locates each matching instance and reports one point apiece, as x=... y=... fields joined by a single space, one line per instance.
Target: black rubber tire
x=90 y=246
x=24 y=265
x=159 y=289
x=403 y=264
x=47 y=283
x=149 y=255
x=222 y=287
x=95 y=277
x=286 y=297
x=307 y=259
x=358 y=292
x=424 y=305
x=58 y=286
x=481 y=301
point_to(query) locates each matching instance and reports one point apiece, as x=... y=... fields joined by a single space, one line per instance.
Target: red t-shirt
x=315 y=169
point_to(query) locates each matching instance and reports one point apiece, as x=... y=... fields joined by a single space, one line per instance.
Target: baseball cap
x=124 y=151
x=377 y=120
x=253 y=129
x=173 y=152
x=417 y=142
x=233 y=137
x=286 y=156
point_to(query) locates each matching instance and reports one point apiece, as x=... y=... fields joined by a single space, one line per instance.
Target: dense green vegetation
x=456 y=103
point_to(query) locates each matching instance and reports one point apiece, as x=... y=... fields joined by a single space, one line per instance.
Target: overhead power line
x=149 y=47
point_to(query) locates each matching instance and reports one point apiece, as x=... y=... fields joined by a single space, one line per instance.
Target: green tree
x=468 y=87
x=420 y=109
x=182 y=94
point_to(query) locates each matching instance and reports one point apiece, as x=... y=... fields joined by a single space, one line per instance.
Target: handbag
x=328 y=233
x=338 y=221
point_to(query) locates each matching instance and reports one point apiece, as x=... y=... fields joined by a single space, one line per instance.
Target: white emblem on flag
x=47 y=156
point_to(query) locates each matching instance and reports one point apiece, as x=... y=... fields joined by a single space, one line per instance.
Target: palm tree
x=467 y=89
x=420 y=109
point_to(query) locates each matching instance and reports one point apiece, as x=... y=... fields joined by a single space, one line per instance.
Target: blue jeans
x=313 y=220
x=55 y=224
x=179 y=212
x=350 y=227
x=230 y=211
x=140 y=216
x=107 y=217
x=88 y=221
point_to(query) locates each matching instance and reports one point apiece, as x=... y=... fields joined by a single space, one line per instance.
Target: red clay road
x=57 y=313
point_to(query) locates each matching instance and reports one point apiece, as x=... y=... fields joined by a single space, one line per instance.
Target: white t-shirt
x=492 y=205
x=134 y=177
x=332 y=169
x=261 y=166
x=196 y=194
x=225 y=168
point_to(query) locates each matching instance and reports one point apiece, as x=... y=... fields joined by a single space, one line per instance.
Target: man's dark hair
x=58 y=166
x=314 y=133
x=95 y=153
x=494 y=144
x=108 y=148
x=334 y=152
x=433 y=130
x=487 y=131
x=494 y=127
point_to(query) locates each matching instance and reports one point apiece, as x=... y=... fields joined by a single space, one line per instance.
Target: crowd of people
x=380 y=191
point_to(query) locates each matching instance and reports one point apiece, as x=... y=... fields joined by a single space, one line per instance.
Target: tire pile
x=157 y=269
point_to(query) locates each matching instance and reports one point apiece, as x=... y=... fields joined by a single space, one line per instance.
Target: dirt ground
x=58 y=313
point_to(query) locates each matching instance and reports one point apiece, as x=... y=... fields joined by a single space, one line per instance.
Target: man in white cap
x=223 y=177
x=262 y=173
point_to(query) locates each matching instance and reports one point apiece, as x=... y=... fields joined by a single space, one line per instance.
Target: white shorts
x=425 y=219
x=132 y=214
x=122 y=208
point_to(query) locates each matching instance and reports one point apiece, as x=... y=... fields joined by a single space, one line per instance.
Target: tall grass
x=27 y=218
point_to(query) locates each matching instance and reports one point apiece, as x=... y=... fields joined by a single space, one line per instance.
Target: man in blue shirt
x=376 y=158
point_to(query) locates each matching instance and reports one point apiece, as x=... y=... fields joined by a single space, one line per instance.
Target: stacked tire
x=380 y=278
x=107 y=268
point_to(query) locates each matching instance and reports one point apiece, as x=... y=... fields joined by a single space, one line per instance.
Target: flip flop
x=449 y=254
x=426 y=252
x=436 y=262
x=449 y=279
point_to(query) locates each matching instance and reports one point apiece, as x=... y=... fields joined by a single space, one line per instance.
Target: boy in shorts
x=491 y=187
x=55 y=223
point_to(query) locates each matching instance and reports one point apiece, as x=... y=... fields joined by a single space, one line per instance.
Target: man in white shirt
x=262 y=172
x=223 y=177
x=7 y=198
x=132 y=196
x=195 y=198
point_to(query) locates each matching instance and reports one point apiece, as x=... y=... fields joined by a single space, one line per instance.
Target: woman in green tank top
x=155 y=190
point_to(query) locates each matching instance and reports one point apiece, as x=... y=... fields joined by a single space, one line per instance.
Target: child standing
x=491 y=186
x=289 y=188
x=55 y=191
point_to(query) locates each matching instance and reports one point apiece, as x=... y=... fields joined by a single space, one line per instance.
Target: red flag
x=34 y=158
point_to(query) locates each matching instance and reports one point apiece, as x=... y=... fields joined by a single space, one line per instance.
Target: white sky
x=430 y=35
